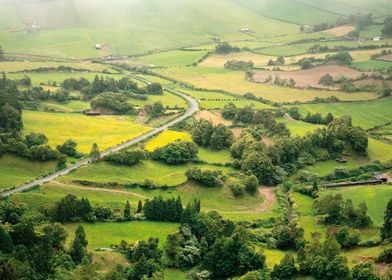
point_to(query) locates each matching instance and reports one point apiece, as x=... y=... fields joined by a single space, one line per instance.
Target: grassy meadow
x=106 y=131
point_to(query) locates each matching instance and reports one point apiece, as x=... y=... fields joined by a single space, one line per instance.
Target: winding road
x=193 y=107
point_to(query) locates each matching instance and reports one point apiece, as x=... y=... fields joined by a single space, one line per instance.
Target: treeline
x=316 y=118
x=263 y=120
x=359 y=20
x=226 y=48
x=176 y=152
x=239 y=65
x=160 y=209
x=271 y=165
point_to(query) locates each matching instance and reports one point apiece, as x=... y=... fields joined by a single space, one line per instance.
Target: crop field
x=215 y=118
x=105 y=234
x=159 y=173
x=215 y=100
x=379 y=150
x=309 y=77
x=173 y=58
x=216 y=60
x=165 y=138
x=16 y=170
x=22 y=66
x=58 y=77
x=376 y=198
x=234 y=81
x=300 y=128
x=106 y=131
x=365 y=114
x=372 y=65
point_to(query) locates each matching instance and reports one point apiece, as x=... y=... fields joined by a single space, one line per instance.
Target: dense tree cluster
x=126 y=157
x=176 y=152
x=115 y=102
x=264 y=120
x=271 y=165
x=225 y=48
x=338 y=211
x=159 y=209
x=1 y=54
x=209 y=178
x=26 y=253
x=154 y=88
x=317 y=118
x=279 y=61
x=156 y=109
x=216 y=137
x=340 y=58
x=326 y=80
x=386 y=230
x=10 y=107
x=386 y=31
x=239 y=65
x=75 y=84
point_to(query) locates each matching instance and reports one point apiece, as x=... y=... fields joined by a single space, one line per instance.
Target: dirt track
x=270 y=198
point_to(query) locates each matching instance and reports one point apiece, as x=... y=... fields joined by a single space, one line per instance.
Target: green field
x=168 y=99
x=15 y=170
x=365 y=114
x=106 y=131
x=173 y=58
x=160 y=173
x=299 y=128
x=372 y=65
x=376 y=198
x=106 y=234
x=379 y=150
x=66 y=107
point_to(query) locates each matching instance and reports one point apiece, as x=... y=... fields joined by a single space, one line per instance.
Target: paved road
x=194 y=106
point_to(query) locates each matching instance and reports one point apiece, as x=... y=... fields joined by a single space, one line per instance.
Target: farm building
x=92 y=113
x=98 y=46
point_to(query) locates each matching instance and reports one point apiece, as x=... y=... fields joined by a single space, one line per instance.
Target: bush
x=176 y=152
x=131 y=157
x=208 y=178
x=237 y=188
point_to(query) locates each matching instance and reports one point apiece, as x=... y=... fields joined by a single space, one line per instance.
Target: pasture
x=376 y=198
x=168 y=99
x=72 y=106
x=106 y=131
x=365 y=114
x=173 y=58
x=299 y=128
x=16 y=170
x=373 y=65
x=23 y=66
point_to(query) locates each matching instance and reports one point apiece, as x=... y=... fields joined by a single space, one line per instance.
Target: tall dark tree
x=386 y=230
x=127 y=211
x=78 y=250
x=139 y=207
x=387 y=29
x=285 y=270
x=95 y=154
x=10 y=119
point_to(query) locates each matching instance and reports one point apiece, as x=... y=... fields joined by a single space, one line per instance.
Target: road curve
x=193 y=107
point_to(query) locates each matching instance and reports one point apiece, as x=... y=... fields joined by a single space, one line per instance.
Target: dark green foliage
x=232 y=256
x=363 y=271
x=74 y=84
x=159 y=209
x=6 y=244
x=225 y=48
x=78 y=249
x=347 y=239
x=10 y=212
x=10 y=119
x=326 y=80
x=322 y=261
x=115 y=102
x=155 y=110
x=285 y=270
x=68 y=148
x=34 y=139
x=1 y=54
x=251 y=184
x=70 y=208
x=387 y=29
x=42 y=153
x=209 y=178
x=288 y=236
x=202 y=132
x=61 y=161
x=222 y=137
x=317 y=118
x=229 y=111
x=154 y=88
x=61 y=95
x=95 y=154
x=126 y=157
x=340 y=58
x=176 y=152
x=239 y=65
x=386 y=230
x=127 y=211
x=23 y=234
x=237 y=188
x=338 y=211
x=139 y=207
x=386 y=255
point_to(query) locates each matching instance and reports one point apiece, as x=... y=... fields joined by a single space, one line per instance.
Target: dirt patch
x=309 y=77
x=269 y=199
x=142 y=116
x=340 y=30
x=237 y=132
x=214 y=118
x=387 y=57
x=268 y=141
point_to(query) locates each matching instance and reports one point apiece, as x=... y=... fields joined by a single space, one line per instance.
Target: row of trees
x=239 y=65
x=114 y=102
x=126 y=157
x=216 y=137
x=160 y=209
x=176 y=152
x=209 y=178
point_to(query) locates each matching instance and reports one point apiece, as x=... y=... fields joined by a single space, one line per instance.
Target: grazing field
x=376 y=198
x=173 y=58
x=159 y=173
x=216 y=60
x=15 y=170
x=71 y=106
x=222 y=156
x=310 y=77
x=365 y=114
x=299 y=128
x=22 y=66
x=166 y=137
x=216 y=100
x=210 y=116
x=379 y=150
x=174 y=274
x=324 y=168
x=372 y=65
x=105 y=234
x=235 y=82
x=106 y=131
x=168 y=100
x=216 y=198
